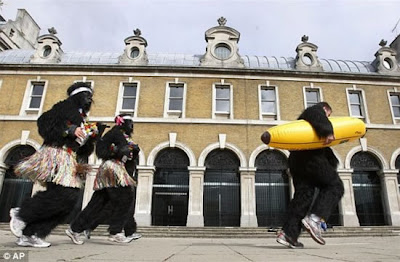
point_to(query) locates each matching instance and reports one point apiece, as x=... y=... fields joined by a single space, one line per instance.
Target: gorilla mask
x=82 y=94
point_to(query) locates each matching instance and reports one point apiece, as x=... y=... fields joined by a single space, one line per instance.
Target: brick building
x=199 y=119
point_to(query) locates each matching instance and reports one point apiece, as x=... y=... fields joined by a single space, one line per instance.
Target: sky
x=342 y=29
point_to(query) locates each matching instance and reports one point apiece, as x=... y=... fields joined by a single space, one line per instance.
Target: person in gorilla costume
x=56 y=165
x=130 y=227
x=112 y=186
x=312 y=170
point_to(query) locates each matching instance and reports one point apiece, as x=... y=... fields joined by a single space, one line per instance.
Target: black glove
x=101 y=127
x=125 y=153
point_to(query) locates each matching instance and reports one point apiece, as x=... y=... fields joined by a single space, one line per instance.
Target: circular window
x=387 y=63
x=222 y=51
x=46 y=51
x=307 y=59
x=134 y=52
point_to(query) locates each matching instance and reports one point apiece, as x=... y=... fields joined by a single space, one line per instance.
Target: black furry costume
x=47 y=209
x=113 y=185
x=313 y=169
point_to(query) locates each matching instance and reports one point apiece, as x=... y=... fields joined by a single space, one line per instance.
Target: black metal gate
x=222 y=189
x=170 y=188
x=14 y=189
x=367 y=190
x=272 y=188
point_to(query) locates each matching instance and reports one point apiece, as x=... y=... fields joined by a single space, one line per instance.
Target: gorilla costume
x=56 y=164
x=112 y=185
x=311 y=170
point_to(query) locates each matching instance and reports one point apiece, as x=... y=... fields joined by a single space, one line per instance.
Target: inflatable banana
x=299 y=134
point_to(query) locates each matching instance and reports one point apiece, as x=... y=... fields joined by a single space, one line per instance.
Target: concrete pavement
x=363 y=249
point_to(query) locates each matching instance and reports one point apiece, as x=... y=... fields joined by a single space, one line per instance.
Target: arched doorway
x=170 y=188
x=367 y=189
x=222 y=189
x=272 y=188
x=15 y=189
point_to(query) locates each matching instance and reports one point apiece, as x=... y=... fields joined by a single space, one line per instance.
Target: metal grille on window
x=222 y=189
x=272 y=188
x=170 y=188
x=367 y=189
x=15 y=189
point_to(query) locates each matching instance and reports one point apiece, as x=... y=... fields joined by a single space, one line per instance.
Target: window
x=222 y=101
x=312 y=96
x=46 y=51
x=355 y=101
x=129 y=97
x=135 y=52
x=268 y=102
x=175 y=100
x=34 y=97
x=222 y=51
x=395 y=105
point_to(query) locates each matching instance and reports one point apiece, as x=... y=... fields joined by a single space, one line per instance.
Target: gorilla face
x=85 y=100
x=128 y=127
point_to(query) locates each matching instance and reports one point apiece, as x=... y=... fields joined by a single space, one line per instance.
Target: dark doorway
x=367 y=189
x=170 y=188
x=15 y=189
x=272 y=188
x=222 y=189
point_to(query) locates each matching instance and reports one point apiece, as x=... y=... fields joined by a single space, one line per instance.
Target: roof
x=251 y=61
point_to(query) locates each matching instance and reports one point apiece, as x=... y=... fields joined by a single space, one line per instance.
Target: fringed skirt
x=51 y=164
x=112 y=173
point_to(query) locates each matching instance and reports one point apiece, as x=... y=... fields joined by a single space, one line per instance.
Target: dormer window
x=388 y=63
x=307 y=59
x=135 y=52
x=222 y=51
x=46 y=51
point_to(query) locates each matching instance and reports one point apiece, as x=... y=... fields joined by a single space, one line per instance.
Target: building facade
x=198 y=122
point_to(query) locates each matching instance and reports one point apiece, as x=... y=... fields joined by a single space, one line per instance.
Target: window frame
x=318 y=90
x=363 y=103
x=25 y=108
x=222 y=114
x=268 y=115
x=119 y=109
x=175 y=113
x=396 y=120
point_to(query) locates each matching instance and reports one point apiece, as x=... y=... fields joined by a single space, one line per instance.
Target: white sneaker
x=87 y=233
x=75 y=237
x=119 y=238
x=32 y=241
x=134 y=236
x=16 y=224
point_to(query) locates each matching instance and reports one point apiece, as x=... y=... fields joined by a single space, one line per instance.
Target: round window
x=46 y=51
x=387 y=63
x=307 y=59
x=134 y=52
x=222 y=51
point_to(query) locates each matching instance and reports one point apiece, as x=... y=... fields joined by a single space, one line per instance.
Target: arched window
x=367 y=189
x=222 y=189
x=170 y=188
x=272 y=188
